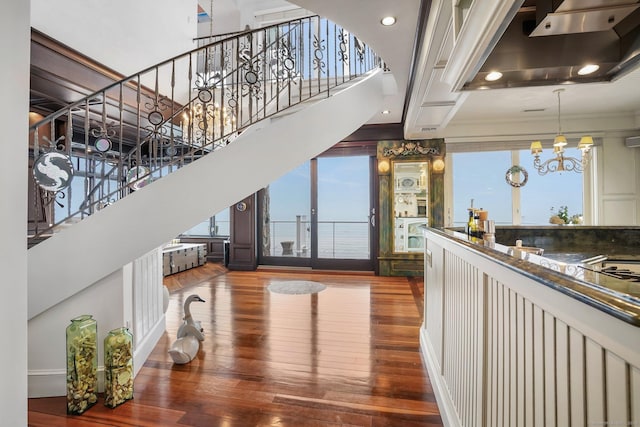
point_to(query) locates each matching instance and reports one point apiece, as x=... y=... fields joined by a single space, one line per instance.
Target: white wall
x=104 y=300
x=14 y=86
x=226 y=19
x=124 y=35
x=131 y=297
x=258 y=13
x=233 y=15
x=618 y=182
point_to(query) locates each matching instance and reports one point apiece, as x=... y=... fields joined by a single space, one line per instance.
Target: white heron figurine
x=184 y=349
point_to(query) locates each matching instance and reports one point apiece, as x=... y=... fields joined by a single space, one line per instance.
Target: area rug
x=296 y=287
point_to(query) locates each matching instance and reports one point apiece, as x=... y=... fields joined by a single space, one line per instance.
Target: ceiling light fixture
x=493 y=76
x=205 y=123
x=588 y=69
x=385 y=112
x=560 y=163
x=388 y=21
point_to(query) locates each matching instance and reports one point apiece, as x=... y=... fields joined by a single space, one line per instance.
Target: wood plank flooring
x=347 y=356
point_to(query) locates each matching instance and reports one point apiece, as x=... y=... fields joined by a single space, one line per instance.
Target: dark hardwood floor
x=347 y=356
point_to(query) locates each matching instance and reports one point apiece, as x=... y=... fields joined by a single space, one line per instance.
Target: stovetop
x=616 y=273
x=621 y=273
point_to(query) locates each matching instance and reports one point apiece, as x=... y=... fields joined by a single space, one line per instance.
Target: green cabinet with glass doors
x=411 y=188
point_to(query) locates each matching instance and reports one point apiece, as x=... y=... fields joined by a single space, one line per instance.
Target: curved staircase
x=247 y=110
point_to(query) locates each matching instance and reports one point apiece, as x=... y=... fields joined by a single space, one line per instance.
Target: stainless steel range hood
x=582 y=16
x=576 y=33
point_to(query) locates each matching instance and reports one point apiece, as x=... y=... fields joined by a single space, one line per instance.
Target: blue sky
x=481 y=176
x=343 y=190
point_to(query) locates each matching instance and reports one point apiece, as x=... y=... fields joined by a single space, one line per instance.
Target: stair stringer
x=78 y=256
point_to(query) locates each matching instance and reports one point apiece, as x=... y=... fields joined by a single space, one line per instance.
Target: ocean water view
x=336 y=239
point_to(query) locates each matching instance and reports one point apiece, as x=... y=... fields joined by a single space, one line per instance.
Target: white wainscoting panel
x=147 y=293
x=148 y=312
x=518 y=353
x=434 y=304
x=634 y=389
x=463 y=337
x=619 y=211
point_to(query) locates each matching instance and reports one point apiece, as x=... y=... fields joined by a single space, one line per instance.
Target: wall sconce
x=383 y=166
x=438 y=165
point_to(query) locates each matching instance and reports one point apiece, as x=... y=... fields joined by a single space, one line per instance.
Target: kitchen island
x=512 y=338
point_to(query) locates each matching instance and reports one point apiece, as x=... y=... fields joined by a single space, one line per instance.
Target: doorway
x=320 y=215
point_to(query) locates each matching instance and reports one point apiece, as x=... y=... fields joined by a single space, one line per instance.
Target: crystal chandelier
x=560 y=162
x=206 y=123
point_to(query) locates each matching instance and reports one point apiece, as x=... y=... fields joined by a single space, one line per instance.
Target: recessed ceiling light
x=388 y=20
x=493 y=76
x=588 y=69
x=386 y=112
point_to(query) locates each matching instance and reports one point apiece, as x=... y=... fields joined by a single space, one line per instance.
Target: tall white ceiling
x=436 y=107
x=440 y=104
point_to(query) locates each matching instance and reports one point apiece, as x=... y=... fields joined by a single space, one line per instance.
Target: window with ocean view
x=481 y=176
x=333 y=224
x=540 y=198
x=343 y=207
x=217 y=225
x=287 y=227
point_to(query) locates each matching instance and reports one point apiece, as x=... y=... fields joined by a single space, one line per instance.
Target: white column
x=14 y=86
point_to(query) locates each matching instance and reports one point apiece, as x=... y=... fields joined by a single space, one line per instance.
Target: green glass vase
x=82 y=364
x=118 y=367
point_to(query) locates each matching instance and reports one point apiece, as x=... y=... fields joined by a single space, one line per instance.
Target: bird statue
x=184 y=349
x=190 y=326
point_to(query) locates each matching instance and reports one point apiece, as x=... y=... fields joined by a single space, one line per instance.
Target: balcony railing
x=336 y=239
x=87 y=156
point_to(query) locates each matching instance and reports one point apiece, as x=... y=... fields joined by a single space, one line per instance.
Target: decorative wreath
x=513 y=170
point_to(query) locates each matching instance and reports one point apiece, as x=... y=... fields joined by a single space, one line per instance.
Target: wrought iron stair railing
x=119 y=139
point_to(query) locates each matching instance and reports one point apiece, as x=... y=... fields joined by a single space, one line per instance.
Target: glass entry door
x=285 y=218
x=320 y=216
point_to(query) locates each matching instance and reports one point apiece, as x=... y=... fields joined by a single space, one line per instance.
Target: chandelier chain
x=211 y=18
x=558 y=91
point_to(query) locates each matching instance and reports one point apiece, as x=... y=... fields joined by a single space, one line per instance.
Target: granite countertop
x=566 y=272
x=575 y=239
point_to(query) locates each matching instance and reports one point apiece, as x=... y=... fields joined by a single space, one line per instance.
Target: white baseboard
x=52 y=382
x=446 y=407
x=47 y=383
